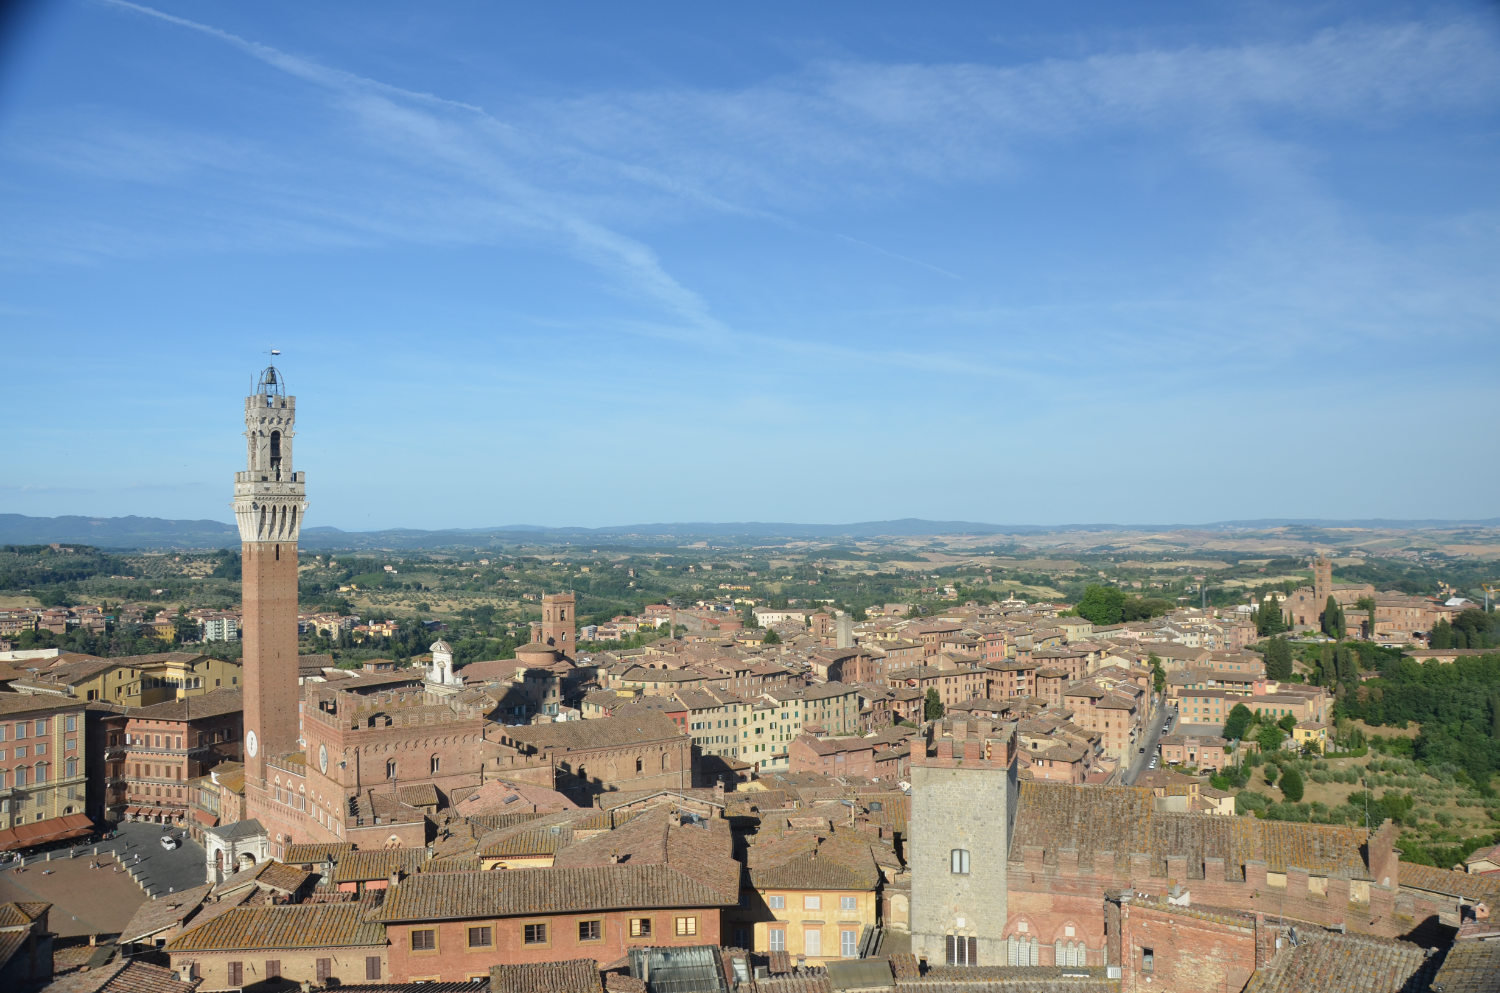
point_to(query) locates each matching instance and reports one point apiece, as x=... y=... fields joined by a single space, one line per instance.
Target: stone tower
x=268 y=507
x=1322 y=581
x=559 y=624
x=963 y=802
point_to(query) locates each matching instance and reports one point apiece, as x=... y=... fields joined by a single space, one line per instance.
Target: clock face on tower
x=323 y=757
x=252 y=743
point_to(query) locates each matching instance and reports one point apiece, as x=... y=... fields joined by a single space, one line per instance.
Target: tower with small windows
x=963 y=802
x=559 y=623
x=269 y=501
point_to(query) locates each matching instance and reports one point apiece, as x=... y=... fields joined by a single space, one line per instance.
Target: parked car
x=169 y=842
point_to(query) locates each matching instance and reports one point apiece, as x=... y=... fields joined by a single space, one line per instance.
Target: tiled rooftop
x=314 y=925
x=570 y=976
x=1124 y=820
x=432 y=896
x=1345 y=963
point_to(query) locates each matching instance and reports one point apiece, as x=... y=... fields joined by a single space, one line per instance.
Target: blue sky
x=612 y=263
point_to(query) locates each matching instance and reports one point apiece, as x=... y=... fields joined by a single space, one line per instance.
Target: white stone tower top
x=269 y=496
x=441 y=675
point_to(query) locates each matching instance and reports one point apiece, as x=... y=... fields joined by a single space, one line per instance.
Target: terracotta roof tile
x=431 y=896
x=570 y=976
x=1125 y=821
x=312 y=925
x=1345 y=963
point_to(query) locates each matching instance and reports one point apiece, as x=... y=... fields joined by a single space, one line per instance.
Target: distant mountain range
x=154 y=532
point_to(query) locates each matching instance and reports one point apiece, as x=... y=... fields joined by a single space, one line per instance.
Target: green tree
x=1333 y=619
x=932 y=706
x=1278 y=659
x=1287 y=723
x=771 y=638
x=1102 y=604
x=1269 y=619
x=1270 y=773
x=1291 y=785
x=1238 y=722
x=1250 y=802
x=1158 y=674
x=1441 y=635
x=1269 y=739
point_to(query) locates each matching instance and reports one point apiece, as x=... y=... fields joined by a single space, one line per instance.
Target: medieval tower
x=1322 y=580
x=963 y=802
x=268 y=507
x=558 y=626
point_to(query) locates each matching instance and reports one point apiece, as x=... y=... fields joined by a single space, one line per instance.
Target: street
x=1162 y=714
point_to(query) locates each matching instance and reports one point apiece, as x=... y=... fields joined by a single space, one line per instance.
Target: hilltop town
x=895 y=766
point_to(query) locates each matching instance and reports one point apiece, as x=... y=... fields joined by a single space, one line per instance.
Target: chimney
x=396 y=876
x=185 y=971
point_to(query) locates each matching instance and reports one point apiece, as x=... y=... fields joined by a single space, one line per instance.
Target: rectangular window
x=848 y=943
x=687 y=926
x=273 y=968
x=778 y=939
x=812 y=901
x=1148 y=960
x=847 y=903
x=72 y=722
x=325 y=969
x=236 y=974
x=535 y=934
x=776 y=901
x=41 y=728
x=640 y=927
x=481 y=937
x=372 y=966
x=423 y=939
x=959 y=861
x=812 y=942
x=591 y=930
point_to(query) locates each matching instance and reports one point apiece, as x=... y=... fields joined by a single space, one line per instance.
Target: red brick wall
x=270 y=650
x=1189 y=954
x=454 y=961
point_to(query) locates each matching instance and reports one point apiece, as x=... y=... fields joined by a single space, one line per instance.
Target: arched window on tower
x=390 y=768
x=276 y=453
x=433 y=765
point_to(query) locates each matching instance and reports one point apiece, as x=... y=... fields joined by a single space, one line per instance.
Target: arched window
x=665 y=761
x=276 y=453
x=433 y=764
x=1021 y=950
x=639 y=764
x=390 y=768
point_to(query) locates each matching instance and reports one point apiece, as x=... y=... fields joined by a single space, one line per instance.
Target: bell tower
x=269 y=500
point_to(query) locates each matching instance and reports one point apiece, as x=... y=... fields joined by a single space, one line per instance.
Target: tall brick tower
x=269 y=500
x=559 y=623
x=963 y=803
x=1322 y=581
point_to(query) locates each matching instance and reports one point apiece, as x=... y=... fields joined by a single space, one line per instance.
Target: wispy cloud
x=589 y=174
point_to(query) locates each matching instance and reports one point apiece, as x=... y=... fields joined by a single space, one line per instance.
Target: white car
x=170 y=842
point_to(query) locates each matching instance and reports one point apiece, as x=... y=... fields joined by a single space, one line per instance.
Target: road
x=1150 y=739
